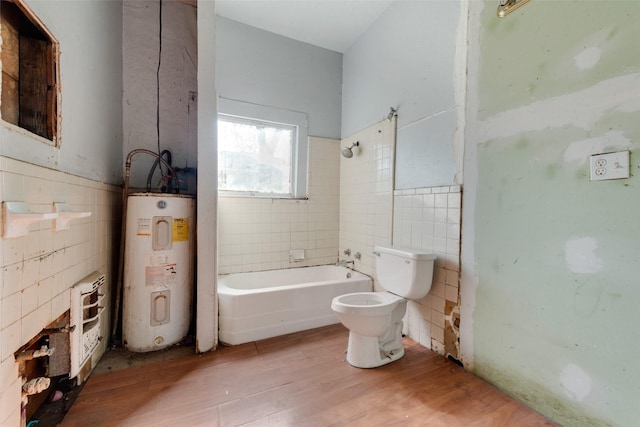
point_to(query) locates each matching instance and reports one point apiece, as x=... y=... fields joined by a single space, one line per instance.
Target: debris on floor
x=63 y=393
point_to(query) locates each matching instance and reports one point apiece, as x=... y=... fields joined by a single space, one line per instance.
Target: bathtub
x=265 y=304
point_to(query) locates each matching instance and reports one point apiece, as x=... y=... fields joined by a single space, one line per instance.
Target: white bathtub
x=255 y=306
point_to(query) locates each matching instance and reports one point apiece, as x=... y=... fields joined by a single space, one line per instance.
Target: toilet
x=374 y=319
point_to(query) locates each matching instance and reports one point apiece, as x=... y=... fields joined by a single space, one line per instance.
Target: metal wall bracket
x=508 y=6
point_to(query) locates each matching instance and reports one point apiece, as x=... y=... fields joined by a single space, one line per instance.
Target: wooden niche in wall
x=30 y=72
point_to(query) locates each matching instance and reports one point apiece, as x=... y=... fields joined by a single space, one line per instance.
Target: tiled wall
x=371 y=213
x=256 y=234
x=429 y=219
x=366 y=194
x=37 y=270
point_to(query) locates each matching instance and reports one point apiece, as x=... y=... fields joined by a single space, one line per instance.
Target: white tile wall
x=371 y=213
x=429 y=219
x=36 y=271
x=256 y=234
x=366 y=194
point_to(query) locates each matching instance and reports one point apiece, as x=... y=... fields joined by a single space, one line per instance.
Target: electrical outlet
x=609 y=166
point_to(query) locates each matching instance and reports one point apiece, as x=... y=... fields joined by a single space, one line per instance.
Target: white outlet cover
x=609 y=166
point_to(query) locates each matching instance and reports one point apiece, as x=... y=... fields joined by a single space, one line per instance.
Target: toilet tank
x=405 y=272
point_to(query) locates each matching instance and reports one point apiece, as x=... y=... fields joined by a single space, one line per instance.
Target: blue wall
x=260 y=67
x=406 y=60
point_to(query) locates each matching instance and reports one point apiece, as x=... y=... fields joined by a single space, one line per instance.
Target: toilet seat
x=366 y=303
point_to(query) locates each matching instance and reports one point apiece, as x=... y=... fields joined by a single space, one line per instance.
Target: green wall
x=557 y=258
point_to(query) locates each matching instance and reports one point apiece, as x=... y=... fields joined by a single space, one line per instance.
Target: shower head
x=347 y=152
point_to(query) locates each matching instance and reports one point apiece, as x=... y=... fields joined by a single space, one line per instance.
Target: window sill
x=28 y=134
x=260 y=196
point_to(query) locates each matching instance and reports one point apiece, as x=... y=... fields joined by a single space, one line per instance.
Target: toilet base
x=365 y=352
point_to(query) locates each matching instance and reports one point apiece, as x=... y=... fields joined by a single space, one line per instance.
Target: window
x=262 y=152
x=254 y=155
x=30 y=89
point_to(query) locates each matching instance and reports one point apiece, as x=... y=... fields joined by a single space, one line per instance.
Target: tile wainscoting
x=430 y=219
x=38 y=270
x=256 y=234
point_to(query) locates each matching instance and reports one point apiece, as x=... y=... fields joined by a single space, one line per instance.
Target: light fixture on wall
x=508 y=6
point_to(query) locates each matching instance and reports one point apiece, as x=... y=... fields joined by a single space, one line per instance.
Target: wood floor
x=300 y=379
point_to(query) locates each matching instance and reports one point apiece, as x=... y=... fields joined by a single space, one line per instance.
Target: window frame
x=245 y=111
x=51 y=58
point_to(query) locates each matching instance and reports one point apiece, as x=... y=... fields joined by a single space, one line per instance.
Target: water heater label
x=144 y=227
x=180 y=229
x=160 y=275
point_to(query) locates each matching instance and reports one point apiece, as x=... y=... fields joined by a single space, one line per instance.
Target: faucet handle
x=347 y=252
x=357 y=255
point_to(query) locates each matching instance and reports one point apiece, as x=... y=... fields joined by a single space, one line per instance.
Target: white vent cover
x=86 y=308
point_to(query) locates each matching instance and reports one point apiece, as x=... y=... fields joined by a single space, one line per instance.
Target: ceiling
x=331 y=24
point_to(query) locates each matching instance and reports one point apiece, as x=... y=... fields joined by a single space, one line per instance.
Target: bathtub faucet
x=344 y=263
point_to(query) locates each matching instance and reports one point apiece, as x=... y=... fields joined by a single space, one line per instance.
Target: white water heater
x=158 y=270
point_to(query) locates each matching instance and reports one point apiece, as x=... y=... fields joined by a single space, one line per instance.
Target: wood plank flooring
x=300 y=379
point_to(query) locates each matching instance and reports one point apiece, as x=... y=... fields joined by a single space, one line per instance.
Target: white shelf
x=16 y=219
x=66 y=215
